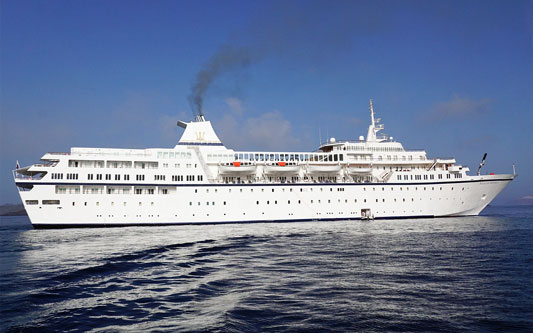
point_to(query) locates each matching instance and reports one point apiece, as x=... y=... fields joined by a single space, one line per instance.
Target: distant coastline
x=12 y=210
x=523 y=201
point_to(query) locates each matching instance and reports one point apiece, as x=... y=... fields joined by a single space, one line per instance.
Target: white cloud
x=458 y=108
x=270 y=130
x=235 y=105
x=266 y=131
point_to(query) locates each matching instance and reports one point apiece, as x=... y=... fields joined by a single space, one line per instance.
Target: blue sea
x=439 y=275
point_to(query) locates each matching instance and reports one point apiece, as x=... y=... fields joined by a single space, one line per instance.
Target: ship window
x=224 y=203
x=32 y=202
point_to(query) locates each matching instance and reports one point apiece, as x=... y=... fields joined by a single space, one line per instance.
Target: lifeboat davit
x=281 y=168
x=237 y=168
x=325 y=168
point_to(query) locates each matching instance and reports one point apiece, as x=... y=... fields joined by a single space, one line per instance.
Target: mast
x=372 y=113
x=374 y=127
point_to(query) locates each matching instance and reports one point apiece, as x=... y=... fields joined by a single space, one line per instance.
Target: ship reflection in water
x=450 y=274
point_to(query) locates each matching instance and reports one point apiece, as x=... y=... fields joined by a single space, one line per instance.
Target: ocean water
x=441 y=275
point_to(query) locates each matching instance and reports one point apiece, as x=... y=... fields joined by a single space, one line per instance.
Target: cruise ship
x=200 y=181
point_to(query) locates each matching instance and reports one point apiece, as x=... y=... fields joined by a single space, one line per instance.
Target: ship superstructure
x=202 y=181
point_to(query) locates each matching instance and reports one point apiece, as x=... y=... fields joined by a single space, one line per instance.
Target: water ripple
x=444 y=275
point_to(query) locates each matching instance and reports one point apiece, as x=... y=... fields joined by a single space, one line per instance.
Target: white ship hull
x=200 y=181
x=193 y=204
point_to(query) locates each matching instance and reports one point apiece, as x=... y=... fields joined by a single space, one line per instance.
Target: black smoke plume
x=226 y=59
x=306 y=33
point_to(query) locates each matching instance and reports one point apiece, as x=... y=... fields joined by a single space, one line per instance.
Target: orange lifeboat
x=236 y=164
x=281 y=163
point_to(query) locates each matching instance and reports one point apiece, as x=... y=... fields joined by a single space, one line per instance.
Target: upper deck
x=201 y=156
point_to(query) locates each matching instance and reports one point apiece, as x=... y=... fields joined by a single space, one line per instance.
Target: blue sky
x=452 y=77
